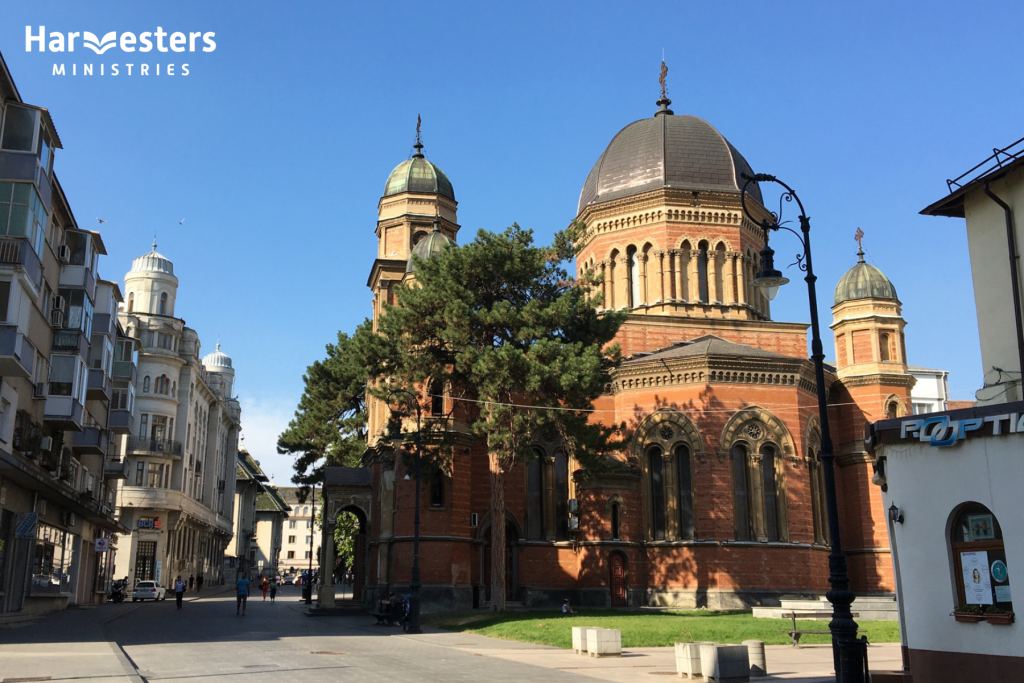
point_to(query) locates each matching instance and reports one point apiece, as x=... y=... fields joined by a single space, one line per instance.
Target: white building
x=930 y=394
x=952 y=480
x=178 y=499
x=300 y=546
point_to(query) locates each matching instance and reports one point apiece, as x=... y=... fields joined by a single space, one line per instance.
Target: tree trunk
x=497 y=577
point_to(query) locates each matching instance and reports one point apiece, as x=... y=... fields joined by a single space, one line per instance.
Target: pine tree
x=518 y=342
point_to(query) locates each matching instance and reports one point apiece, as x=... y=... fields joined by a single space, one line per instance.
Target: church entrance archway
x=512 y=536
x=358 y=562
x=617 y=564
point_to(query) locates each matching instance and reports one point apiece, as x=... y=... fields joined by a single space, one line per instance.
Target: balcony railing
x=16 y=251
x=17 y=353
x=71 y=341
x=124 y=369
x=98 y=387
x=119 y=421
x=25 y=166
x=63 y=411
x=91 y=440
x=79 y=277
x=159 y=446
x=104 y=323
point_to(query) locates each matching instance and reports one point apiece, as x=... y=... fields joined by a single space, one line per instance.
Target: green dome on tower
x=864 y=281
x=428 y=246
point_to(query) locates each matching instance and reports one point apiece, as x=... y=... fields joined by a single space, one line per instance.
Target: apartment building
x=62 y=352
x=300 y=545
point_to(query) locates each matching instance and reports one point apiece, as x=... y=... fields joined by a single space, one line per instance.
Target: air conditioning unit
x=574 y=524
x=103 y=509
x=39 y=390
x=41 y=507
x=473 y=520
x=63 y=253
x=69 y=519
x=46 y=443
x=574 y=506
x=56 y=319
x=58 y=303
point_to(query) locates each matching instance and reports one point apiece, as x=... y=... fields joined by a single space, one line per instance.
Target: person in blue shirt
x=242 y=591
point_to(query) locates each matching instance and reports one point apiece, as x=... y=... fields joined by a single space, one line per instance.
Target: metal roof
x=994 y=167
x=420 y=176
x=863 y=281
x=706 y=345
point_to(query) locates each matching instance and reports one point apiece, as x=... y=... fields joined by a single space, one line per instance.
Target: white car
x=148 y=590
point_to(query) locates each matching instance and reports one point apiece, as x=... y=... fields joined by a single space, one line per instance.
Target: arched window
x=741 y=493
x=131 y=301
x=145 y=384
x=772 y=516
x=615 y=521
x=535 y=497
x=685 y=488
x=611 y=278
x=979 y=558
x=437 y=489
x=656 y=472
x=163 y=304
x=561 y=496
x=819 y=509
x=437 y=397
x=883 y=347
x=633 y=277
x=174 y=389
x=702 y=271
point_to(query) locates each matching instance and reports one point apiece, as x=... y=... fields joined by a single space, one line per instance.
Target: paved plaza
x=135 y=643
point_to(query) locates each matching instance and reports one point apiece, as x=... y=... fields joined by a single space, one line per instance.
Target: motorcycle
x=118 y=591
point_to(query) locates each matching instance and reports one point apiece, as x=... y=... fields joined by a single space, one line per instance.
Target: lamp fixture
x=895 y=514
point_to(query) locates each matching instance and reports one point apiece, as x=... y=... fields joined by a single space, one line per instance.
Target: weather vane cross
x=661 y=79
x=859 y=235
x=418 y=122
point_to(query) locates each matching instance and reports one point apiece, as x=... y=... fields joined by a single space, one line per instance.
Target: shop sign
x=26 y=525
x=102 y=545
x=941 y=431
x=150 y=523
x=977 y=580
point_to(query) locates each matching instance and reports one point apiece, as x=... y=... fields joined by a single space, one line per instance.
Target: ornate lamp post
x=397 y=438
x=848 y=653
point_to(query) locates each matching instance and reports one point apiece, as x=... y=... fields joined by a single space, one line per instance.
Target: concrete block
x=579 y=639
x=688 y=660
x=724 y=663
x=755 y=652
x=604 y=642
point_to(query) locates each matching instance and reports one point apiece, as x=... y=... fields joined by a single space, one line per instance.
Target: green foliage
x=655 y=629
x=329 y=427
x=345 y=531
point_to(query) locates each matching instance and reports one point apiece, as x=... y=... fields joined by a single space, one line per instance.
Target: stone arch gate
x=346 y=489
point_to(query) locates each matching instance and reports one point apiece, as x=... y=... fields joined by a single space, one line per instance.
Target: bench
x=795 y=633
x=387 y=613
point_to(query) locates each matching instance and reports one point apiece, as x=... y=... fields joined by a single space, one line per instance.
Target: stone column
x=622 y=283
x=670 y=478
x=677 y=256
x=741 y=279
x=604 y=284
x=693 y=284
x=713 y=293
x=727 y=279
x=659 y=256
x=641 y=266
x=325 y=598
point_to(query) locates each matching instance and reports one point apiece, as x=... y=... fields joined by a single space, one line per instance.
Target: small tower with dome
x=151 y=286
x=218 y=364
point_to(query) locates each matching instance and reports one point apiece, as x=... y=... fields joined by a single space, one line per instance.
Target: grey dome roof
x=418 y=175
x=434 y=243
x=666 y=151
x=153 y=263
x=864 y=281
x=217 y=359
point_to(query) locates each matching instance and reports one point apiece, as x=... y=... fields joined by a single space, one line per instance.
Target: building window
x=163 y=304
x=740 y=497
x=143 y=425
x=535 y=496
x=883 y=347
x=656 y=473
x=155 y=472
x=979 y=559
x=437 y=397
x=702 y=271
x=437 y=489
x=309 y=539
x=22 y=214
x=291 y=539
x=52 y=562
x=771 y=493
x=684 y=470
x=561 y=496
x=306 y=555
x=633 y=278
x=5 y=412
x=291 y=555
x=145 y=384
x=140 y=473
x=131 y=301
x=615 y=521
x=822 y=534
x=291 y=524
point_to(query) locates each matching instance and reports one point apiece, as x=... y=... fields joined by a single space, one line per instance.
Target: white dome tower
x=218 y=364
x=151 y=286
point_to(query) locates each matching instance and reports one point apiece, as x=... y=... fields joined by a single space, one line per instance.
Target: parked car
x=288 y=579
x=148 y=590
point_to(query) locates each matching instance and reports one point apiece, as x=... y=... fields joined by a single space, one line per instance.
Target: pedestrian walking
x=273 y=589
x=191 y=581
x=179 y=590
x=264 y=586
x=242 y=594
x=199 y=583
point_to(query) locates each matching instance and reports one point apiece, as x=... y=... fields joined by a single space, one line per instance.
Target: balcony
x=90 y=441
x=71 y=342
x=16 y=251
x=17 y=354
x=119 y=421
x=98 y=387
x=63 y=412
x=79 y=277
x=124 y=369
x=25 y=166
x=115 y=469
x=165 y=447
x=104 y=323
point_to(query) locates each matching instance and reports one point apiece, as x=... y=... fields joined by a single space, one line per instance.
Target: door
x=509 y=578
x=145 y=561
x=617 y=568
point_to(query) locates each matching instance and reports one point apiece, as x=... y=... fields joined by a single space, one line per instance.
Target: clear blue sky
x=276 y=147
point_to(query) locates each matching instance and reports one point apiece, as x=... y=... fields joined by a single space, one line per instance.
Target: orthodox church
x=719 y=498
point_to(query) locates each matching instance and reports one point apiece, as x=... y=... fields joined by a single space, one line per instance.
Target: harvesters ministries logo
x=146 y=50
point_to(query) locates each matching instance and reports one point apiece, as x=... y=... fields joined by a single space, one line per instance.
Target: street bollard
x=755 y=651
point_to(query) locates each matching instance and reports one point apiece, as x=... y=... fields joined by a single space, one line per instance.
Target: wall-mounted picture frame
x=982 y=528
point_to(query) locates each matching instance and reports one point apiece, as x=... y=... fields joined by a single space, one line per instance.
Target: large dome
x=864 y=281
x=671 y=151
x=431 y=244
x=420 y=176
x=217 y=359
x=153 y=263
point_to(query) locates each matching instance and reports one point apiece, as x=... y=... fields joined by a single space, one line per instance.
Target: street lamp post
x=397 y=437
x=849 y=654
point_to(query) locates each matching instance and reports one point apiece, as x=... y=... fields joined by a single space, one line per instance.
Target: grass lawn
x=649 y=629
